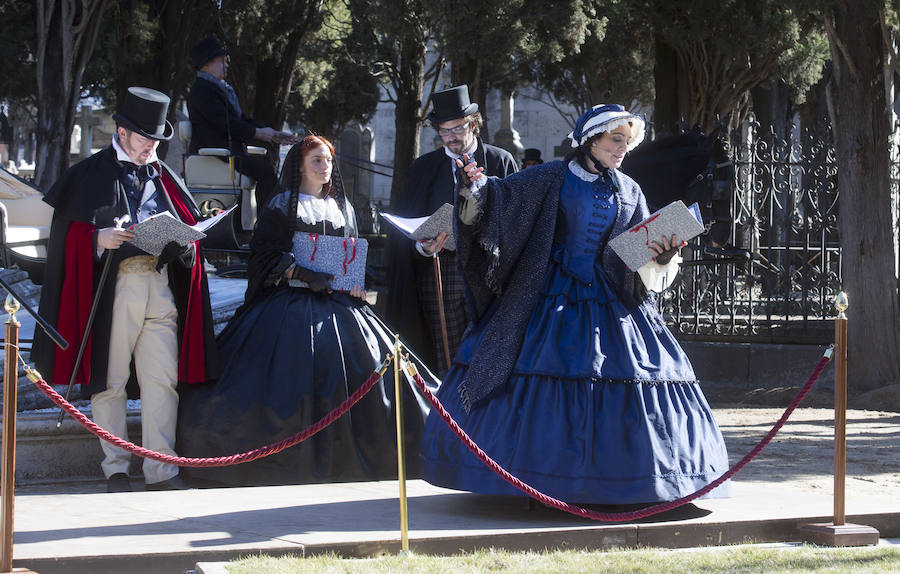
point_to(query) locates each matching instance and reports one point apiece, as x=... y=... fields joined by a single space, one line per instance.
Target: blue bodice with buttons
x=586 y=214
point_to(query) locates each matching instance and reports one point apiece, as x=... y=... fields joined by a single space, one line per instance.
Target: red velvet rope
x=616 y=516
x=260 y=452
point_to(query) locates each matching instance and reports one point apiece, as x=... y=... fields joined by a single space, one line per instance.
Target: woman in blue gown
x=568 y=376
x=292 y=354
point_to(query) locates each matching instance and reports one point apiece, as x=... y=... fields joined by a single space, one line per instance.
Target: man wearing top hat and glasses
x=217 y=120
x=152 y=313
x=412 y=300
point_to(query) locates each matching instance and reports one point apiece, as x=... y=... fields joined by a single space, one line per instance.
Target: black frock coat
x=215 y=122
x=425 y=191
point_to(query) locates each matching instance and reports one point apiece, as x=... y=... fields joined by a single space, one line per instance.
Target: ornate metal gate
x=784 y=207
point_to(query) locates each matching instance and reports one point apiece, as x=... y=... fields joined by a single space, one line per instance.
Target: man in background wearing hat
x=412 y=301
x=532 y=157
x=152 y=311
x=217 y=120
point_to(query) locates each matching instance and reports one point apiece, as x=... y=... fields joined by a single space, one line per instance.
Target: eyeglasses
x=455 y=130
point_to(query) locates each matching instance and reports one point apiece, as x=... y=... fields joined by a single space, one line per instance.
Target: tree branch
x=836 y=42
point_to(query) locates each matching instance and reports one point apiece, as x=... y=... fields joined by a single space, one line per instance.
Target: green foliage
x=801 y=65
x=384 y=30
x=333 y=85
x=495 y=43
x=17 y=51
x=613 y=65
x=123 y=50
x=725 y=48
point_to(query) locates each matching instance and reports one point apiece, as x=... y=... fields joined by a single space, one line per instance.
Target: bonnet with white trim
x=605 y=118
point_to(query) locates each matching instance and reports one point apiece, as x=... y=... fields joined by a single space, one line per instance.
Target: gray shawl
x=504 y=256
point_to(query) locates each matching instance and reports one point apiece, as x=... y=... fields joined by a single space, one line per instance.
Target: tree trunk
x=66 y=32
x=862 y=122
x=665 y=82
x=409 y=87
x=178 y=33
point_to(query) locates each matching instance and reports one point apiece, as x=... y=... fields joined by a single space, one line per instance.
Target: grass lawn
x=744 y=559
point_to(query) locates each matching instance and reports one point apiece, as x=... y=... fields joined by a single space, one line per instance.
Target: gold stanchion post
x=8 y=466
x=401 y=460
x=8 y=470
x=838 y=532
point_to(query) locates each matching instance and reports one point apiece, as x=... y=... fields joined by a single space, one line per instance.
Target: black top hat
x=144 y=112
x=451 y=104
x=532 y=154
x=205 y=50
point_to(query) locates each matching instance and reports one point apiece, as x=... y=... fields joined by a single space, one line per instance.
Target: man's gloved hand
x=317 y=281
x=170 y=253
x=276 y=275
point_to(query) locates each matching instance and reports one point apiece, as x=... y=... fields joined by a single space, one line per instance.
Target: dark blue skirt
x=602 y=407
x=288 y=360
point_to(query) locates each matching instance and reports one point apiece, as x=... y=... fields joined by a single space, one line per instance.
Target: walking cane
x=441 y=316
x=90 y=320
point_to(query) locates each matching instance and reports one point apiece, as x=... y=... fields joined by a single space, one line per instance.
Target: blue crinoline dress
x=602 y=406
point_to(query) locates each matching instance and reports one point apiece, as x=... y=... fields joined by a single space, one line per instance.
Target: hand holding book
x=666 y=249
x=675 y=221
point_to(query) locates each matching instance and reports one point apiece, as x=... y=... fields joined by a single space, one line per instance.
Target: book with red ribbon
x=633 y=245
x=342 y=257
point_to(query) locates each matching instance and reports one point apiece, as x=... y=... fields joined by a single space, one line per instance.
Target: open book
x=420 y=228
x=155 y=232
x=633 y=246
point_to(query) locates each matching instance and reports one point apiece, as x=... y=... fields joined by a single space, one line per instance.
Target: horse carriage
x=215 y=184
x=24 y=226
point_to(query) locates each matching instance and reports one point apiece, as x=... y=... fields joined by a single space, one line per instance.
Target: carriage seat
x=206 y=175
x=25 y=224
x=204 y=170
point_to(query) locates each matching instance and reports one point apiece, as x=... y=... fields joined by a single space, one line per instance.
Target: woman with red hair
x=291 y=354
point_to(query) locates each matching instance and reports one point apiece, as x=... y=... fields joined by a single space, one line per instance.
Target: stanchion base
x=827 y=534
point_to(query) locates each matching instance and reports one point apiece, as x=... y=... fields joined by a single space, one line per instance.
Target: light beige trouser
x=144 y=325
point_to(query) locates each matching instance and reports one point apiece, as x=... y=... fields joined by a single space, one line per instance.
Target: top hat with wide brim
x=144 y=112
x=451 y=104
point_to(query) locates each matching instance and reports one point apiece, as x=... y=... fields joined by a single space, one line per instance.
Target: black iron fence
x=783 y=210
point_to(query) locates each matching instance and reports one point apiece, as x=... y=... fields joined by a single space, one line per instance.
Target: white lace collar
x=580 y=172
x=313 y=210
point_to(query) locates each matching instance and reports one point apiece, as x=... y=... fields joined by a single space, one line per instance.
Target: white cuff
x=421 y=250
x=469 y=209
x=658 y=277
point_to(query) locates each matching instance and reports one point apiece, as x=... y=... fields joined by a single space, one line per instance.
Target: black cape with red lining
x=85 y=199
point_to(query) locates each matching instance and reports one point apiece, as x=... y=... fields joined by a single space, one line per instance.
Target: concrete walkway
x=75 y=527
x=169 y=532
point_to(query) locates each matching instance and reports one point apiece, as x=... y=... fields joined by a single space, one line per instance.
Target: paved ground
x=78 y=528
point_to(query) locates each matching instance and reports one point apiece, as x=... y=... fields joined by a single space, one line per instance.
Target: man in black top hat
x=217 y=120
x=152 y=311
x=412 y=299
x=532 y=157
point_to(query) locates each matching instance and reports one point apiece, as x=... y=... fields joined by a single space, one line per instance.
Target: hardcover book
x=633 y=246
x=342 y=257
